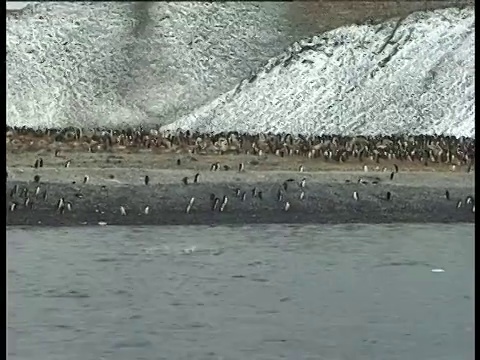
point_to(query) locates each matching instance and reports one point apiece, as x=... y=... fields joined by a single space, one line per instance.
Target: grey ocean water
x=260 y=292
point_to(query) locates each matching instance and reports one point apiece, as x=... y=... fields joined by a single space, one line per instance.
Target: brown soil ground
x=145 y=159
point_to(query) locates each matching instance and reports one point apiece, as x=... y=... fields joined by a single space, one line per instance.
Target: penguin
x=214 y=167
x=212 y=196
x=40 y=163
x=459 y=204
x=179 y=162
x=189 y=206
x=389 y=195
x=13 y=206
x=57 y=153
x=447 y=195
x=355 y=196
x=36 y=164
x=254 y=192
x=279 y=195
x=37 y=191
x=60 y=203
x=469 y=200
x=241 y=167
x=396 y=167
x=260 y=195
x=392 y=175
x=215 y=203
x=146 y=211
x=302 y=195
x=123 y=212
x=285 y=186
x=67 y=163
x=69 y=206
x=185 y=180
x=287 y=206
x=301 y=168
x=36 y=178
x=244 y=196
x=224 y=203
x=27 y=201
x=44 y=196
x=303 y=183
x=365 y=168
x=238 y=192
x=147 y=179
x=195 y=178
x=85 y=179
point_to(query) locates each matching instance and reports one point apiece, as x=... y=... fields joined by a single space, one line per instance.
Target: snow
x=118 y=63
x=415 y=76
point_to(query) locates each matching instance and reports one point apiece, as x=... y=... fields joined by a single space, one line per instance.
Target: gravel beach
x=328 y=196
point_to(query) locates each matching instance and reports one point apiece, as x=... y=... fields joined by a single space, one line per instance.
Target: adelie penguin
x=396 y=167
x=303 y=183
x=123 y=212
x=37 y=163
x=355 y=196
x=392 y=175
x=260 y=195
x=286 y=206
x=224 y=203
x=301 y=168
x=146 y=211
x=244 y=196
x=389 y=195
x=189 y=206
x=214 y=166
x=185 y=180
x=241 y=167
x=447 y=195
x=459 y=204
x=195 y=178
x=179 y=162
x=147 y=179
x=85 y=179
x=36 y=178
x=67 y=163
x=302 y=195
x=215 y=203
x=40 y=163
x=238 y=192
x=279 y=195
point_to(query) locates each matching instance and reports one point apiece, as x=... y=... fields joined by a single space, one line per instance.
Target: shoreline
x=328 y=198
x=117 y=179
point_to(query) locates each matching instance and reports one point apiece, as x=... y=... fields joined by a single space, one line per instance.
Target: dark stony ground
x=327 y=202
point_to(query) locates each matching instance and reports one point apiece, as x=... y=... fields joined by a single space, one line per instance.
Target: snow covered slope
x=414 y=76
x=114 y=63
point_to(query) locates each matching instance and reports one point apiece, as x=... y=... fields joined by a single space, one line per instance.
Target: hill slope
x=414 y=76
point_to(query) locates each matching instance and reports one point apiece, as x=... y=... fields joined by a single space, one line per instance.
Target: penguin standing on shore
x=195 y=178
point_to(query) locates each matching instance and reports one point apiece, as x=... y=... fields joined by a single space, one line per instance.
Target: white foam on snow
x=415 y=76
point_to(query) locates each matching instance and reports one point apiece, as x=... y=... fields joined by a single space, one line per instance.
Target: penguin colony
x=422 y=149
x=289 y=193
